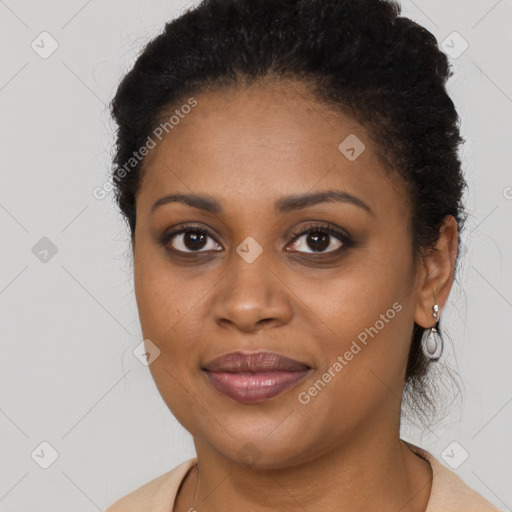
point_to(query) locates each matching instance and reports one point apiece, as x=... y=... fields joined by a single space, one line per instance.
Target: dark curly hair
x=357 y=56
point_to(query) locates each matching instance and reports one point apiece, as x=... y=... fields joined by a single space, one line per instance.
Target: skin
x=248 y=148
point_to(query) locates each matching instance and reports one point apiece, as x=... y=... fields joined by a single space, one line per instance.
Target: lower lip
x=250 y=388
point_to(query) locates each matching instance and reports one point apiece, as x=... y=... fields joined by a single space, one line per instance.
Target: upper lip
x=255 y=362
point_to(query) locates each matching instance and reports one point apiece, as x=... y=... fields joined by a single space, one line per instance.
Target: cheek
x=159 y=291
x=367 y=313
x=355 y=298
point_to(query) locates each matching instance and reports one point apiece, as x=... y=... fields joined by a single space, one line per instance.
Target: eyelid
x=327 y=227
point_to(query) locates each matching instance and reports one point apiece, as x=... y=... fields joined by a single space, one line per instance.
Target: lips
x=254 y=377
x=255 y=362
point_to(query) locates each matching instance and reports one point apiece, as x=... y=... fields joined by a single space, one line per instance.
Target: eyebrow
x=283 y=205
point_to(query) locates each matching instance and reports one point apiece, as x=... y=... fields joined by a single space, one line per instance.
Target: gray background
x=68 y=324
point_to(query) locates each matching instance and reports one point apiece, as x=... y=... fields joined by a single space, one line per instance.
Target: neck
x=384 y=475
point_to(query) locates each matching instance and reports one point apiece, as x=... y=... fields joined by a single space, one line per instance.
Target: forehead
x=248 y=146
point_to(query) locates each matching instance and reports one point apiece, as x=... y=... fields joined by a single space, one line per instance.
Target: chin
x=253 y=447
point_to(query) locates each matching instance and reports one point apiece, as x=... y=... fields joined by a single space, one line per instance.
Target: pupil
x=192 y=238
x=316 y=237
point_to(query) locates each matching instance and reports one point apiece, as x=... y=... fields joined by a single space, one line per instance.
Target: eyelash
x=340 y=235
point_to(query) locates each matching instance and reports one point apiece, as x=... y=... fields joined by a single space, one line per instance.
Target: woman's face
x=240 y=279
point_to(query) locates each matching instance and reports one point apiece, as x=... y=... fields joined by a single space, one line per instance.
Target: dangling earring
x=431 y=341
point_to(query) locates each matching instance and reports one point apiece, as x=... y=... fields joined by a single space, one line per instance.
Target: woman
x=289 y=173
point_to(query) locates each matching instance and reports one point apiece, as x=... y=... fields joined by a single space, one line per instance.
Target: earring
x=431 y=341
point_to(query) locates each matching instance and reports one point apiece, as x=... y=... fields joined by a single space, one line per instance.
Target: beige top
x=449 y=492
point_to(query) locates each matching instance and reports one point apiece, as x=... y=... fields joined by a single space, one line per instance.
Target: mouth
x=254 y=377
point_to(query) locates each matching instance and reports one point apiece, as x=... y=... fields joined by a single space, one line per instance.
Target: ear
x=435 y=273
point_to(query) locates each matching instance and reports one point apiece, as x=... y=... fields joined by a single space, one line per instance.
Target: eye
x=190 y=239
x=320 y=239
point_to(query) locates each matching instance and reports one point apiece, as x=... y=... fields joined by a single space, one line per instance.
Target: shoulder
x=156 y=495
x=449 y=491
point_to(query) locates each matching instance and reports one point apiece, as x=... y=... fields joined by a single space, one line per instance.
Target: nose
x=252 y=296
